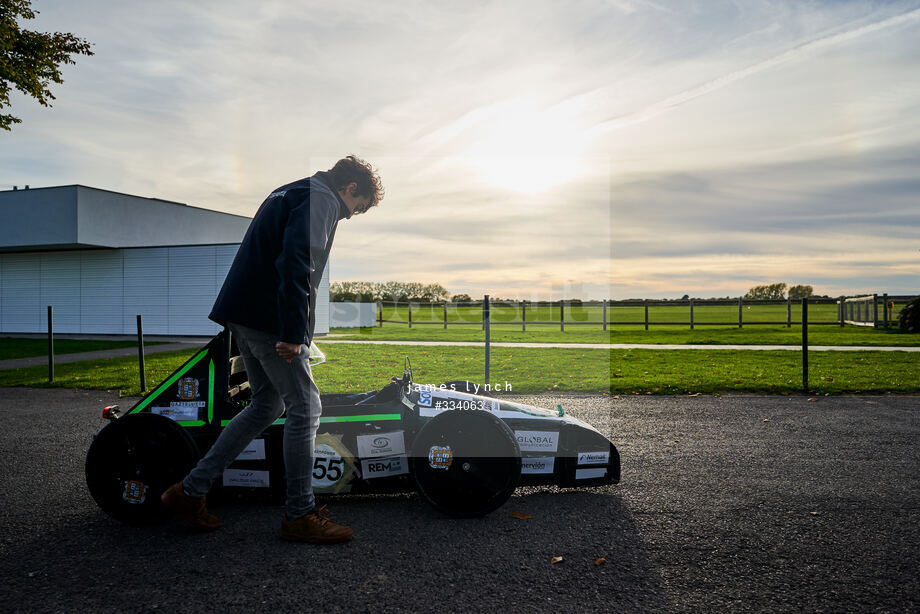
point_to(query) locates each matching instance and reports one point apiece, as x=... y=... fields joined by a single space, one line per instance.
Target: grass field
x=353 y=368
x=14 y=347
x=677 y=335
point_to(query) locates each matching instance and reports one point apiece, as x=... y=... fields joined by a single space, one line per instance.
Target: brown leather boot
x=315 y=528
x=190 y=508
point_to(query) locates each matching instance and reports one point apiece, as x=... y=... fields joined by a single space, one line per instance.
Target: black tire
x=462 y=385
x=132 y=461
x=484 y=466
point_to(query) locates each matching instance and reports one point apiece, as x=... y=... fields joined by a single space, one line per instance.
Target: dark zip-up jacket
x=272 y=283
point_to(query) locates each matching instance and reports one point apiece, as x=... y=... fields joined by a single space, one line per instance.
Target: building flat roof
x=77 y=216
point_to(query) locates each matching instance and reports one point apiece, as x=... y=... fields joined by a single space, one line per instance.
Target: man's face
x=355 y=204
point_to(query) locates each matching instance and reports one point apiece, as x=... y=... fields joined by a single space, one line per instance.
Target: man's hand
x=287 y=351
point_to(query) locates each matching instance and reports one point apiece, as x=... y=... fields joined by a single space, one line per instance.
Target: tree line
x=778 y=292
x=370 y=291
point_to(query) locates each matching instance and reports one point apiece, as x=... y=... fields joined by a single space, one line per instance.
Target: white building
x=100 y=258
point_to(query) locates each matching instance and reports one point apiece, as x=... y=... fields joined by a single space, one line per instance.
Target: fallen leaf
x=521 y=515
x=813 y=399
x=600 y=561
x=815 y=513
x=556 y=559
x=766 y=419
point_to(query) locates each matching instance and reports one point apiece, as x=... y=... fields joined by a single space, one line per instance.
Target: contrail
x=677 y=100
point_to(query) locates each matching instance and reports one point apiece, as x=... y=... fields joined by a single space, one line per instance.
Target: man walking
x=268 y=302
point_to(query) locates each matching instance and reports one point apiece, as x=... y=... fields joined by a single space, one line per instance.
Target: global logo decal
x=381 y=442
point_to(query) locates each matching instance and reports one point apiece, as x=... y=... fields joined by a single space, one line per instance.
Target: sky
x=534 y=149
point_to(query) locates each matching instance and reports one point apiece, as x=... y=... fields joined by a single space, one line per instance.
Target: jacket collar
x=326 y=180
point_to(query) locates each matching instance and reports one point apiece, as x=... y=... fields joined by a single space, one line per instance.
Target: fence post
x=841 y=310
x=885 y=309
x=562 y=315
x=523 y=316
x=50 y=344
x=691 y=314
x=874 y=311
x=740 y=309
x=604 y=314
x=805 y=345
x=488 y=329
x=788 y=311
x=380 y=314
x=410 y=313
x=445 y=315
x=645 y=303
x=140 y=352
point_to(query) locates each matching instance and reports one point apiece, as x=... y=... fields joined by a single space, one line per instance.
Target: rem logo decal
x=382 y=467
x=537 y=441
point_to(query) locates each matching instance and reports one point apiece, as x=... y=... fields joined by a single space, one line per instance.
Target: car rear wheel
x=133 y=460
x=466 y=463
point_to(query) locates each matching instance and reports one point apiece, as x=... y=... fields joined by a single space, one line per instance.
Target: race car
x=462 y=449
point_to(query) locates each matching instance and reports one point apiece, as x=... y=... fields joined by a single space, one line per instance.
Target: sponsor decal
x=177 y=411
x=188 y=388
x=254 y=451
x=440 y=458
x=424 y=397
x=135 y=492
x=333 y=464
x=247 y=478
x=594 y=458
x=537 y=441
x=543 y=464
x=381 y=444
x=586 y=474
x=382 y=467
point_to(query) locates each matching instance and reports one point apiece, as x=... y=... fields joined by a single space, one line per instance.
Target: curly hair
x=353 y=169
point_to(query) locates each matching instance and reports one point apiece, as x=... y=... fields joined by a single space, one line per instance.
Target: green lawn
x=678 y=335
x=353 y=368
x=14 y=347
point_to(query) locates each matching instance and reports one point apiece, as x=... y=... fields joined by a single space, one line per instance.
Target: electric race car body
x=464 y=452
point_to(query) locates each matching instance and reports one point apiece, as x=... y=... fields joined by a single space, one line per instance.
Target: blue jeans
x=276 y=385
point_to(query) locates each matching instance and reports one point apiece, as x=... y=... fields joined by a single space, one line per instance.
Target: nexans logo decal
x=537 y=441
x=381 y=444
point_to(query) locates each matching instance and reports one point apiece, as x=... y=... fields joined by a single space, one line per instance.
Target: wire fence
x=878 y=310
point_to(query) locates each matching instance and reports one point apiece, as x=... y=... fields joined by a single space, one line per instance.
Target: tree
x=461 y=298
x=29 y=61
x=770 y=291
x=800 y=292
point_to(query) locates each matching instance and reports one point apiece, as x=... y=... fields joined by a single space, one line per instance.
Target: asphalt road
x=719 y=510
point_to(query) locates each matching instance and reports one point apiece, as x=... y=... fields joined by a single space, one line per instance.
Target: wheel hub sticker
x=440 y=458
x=135 y=492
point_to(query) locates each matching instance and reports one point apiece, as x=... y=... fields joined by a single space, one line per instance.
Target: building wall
x=353 y=315
x=321 y=324
x=102 y=291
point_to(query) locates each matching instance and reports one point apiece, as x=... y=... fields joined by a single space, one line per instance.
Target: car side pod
x=466 y=463
x=132 y=461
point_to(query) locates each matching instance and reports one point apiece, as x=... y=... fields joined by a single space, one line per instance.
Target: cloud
x=702 y=145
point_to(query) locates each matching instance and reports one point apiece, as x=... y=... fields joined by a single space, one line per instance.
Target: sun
x=525 y=149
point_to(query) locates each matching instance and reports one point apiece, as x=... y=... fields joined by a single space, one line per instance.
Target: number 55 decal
x=333 y=465
x=328 y=469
